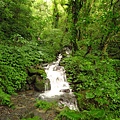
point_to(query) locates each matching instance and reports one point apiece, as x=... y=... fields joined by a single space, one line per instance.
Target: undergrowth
x=96 y=85
x=45 y=105
x=15 y=57
x=34 y=118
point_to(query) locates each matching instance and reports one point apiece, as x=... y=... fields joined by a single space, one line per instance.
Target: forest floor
x=24 y=107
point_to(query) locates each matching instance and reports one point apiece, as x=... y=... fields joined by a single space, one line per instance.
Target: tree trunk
x=76 y=5
x=55 y=15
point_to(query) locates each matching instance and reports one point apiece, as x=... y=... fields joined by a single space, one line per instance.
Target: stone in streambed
x=36 y=78
x=65 y=90
x=31 y=80
x=33 y=71
x=39 y=84
x=47 y=84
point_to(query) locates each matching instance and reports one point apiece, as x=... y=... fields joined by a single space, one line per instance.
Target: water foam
x=59 y=85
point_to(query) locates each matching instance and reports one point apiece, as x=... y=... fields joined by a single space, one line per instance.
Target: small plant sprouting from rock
x=45 y=105
x=34 y=118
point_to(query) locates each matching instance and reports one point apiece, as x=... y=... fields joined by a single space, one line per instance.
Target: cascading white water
x=59 y=85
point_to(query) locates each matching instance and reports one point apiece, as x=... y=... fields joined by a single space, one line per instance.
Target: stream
x=60 y=89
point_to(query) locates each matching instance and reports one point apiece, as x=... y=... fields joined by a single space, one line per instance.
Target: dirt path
x=24 y=104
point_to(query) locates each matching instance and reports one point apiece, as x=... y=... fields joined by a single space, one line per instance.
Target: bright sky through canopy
x=48 y=1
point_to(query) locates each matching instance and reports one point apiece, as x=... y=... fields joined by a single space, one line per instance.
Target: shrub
x=95 y=83
x=34 y=118
x=45 y=105
x=15 y=57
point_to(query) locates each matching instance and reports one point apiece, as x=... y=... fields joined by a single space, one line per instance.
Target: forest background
x=35 y=31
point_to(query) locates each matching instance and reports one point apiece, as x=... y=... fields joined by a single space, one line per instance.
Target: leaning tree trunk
x=75 y=5
x=55 y=15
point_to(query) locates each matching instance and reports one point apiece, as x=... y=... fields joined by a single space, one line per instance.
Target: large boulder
x=32 y=70
x=39 y=84
x=36 y=78
x=31 y=79
x=65 y=90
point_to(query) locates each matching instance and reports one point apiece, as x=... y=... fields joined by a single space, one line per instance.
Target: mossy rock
x=64 y=55
x=40 y=72
x=39 y=84
x=31 y=79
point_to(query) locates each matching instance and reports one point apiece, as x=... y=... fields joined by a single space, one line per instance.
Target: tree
x=41 y=17
x=15 y=18
x=55 y=14
x=74 y=7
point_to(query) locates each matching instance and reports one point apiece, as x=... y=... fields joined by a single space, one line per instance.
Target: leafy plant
x=45 y=105
x=34 y=118
x=14 y=59
x=4 y=98
x=68 y=114
x=95 y=83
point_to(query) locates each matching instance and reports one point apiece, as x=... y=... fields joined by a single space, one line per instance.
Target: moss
x=31 y=79
x=39 y=84
x=40 y=72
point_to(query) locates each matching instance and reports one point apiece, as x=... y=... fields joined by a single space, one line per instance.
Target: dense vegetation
x=34 y=32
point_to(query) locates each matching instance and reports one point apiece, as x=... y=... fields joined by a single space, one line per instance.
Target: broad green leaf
x=89 y=95
x=97 y=113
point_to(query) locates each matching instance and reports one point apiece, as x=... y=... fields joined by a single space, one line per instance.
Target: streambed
x=60 y=91
x=24 y=107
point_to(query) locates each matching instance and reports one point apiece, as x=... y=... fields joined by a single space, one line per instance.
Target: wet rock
x=65 y=90
x=39 y=67
x=24 y=104
x=68 y=100
x=47 y=85
x=29 y=115
x=31 y=79
x=36 y=78
x=39 y=84
x=45 y=64
x=33 y=71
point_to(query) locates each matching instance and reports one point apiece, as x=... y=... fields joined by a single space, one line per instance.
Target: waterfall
x=60 y=88
x=46 y=86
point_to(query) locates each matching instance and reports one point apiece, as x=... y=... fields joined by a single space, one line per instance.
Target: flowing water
x=60 y=88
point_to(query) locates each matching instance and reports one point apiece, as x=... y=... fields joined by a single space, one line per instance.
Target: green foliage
x=95 y=82
x=4 y=98
x=45 y=105
x=68 y=114
x=92 y=23
x=41 y=17
x=52 y=38
x=15 y=57
x=34 y=118
x=15 y=18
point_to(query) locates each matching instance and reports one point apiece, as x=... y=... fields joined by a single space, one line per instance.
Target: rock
x=27 y=87
x=68 y=100
x=29 y=115
x=33 y=71
x=31 y=79
x=59 y=68
x=39 y=67
x=39 y=84
x=65 y=90
x=44 y=65
x=36 y=78
x=47 y=85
